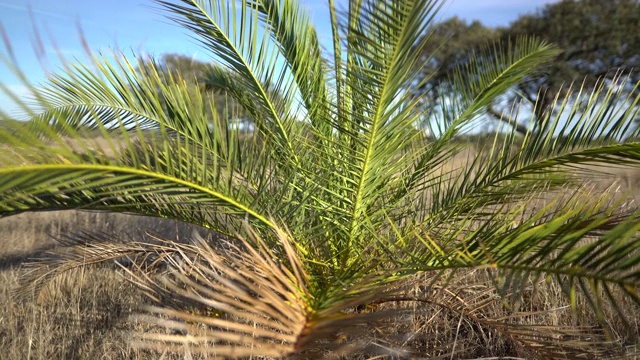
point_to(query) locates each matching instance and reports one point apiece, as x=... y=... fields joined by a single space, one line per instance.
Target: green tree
x=450 y=46
x=598 y=42
x=335 y=201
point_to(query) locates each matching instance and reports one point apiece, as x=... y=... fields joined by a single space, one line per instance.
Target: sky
x=139 y=26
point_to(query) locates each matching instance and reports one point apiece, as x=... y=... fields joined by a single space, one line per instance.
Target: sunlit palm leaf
x=237 y=43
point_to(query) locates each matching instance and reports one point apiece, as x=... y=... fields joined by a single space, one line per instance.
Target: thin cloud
x=50 y=14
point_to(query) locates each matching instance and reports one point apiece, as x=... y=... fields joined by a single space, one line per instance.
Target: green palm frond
x=588 y=247
x=185 y=152
x=545 y=161
x=494 y=77
x=238 y=45
x=290 y=27
x=381 y=119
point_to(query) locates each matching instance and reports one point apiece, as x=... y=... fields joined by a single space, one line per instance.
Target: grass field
x=88 y=313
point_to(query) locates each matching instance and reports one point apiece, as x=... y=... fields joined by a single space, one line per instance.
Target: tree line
x=599 y=42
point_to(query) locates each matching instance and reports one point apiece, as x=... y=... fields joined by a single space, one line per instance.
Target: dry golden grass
x=83 y=315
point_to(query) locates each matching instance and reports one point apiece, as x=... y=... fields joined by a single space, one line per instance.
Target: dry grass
x=86 y=314
x=80 y=317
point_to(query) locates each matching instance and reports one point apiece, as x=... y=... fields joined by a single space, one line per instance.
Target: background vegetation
x=598 y=42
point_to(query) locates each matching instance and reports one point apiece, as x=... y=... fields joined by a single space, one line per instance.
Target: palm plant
x=335 y=201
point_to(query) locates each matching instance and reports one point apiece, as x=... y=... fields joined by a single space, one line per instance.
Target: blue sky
x=139 y=26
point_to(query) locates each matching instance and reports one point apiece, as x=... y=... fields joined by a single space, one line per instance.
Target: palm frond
x=481 y=81
x=380 y=116
x=237 y=44
x=167 y=177
x=233 y=297
x=290 y=26
x=256 y=297
x=587 y=246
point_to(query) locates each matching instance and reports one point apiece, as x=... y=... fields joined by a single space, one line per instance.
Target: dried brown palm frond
x=78 y=250
x=248 y=303
x=231 y=298
x=236 y=300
